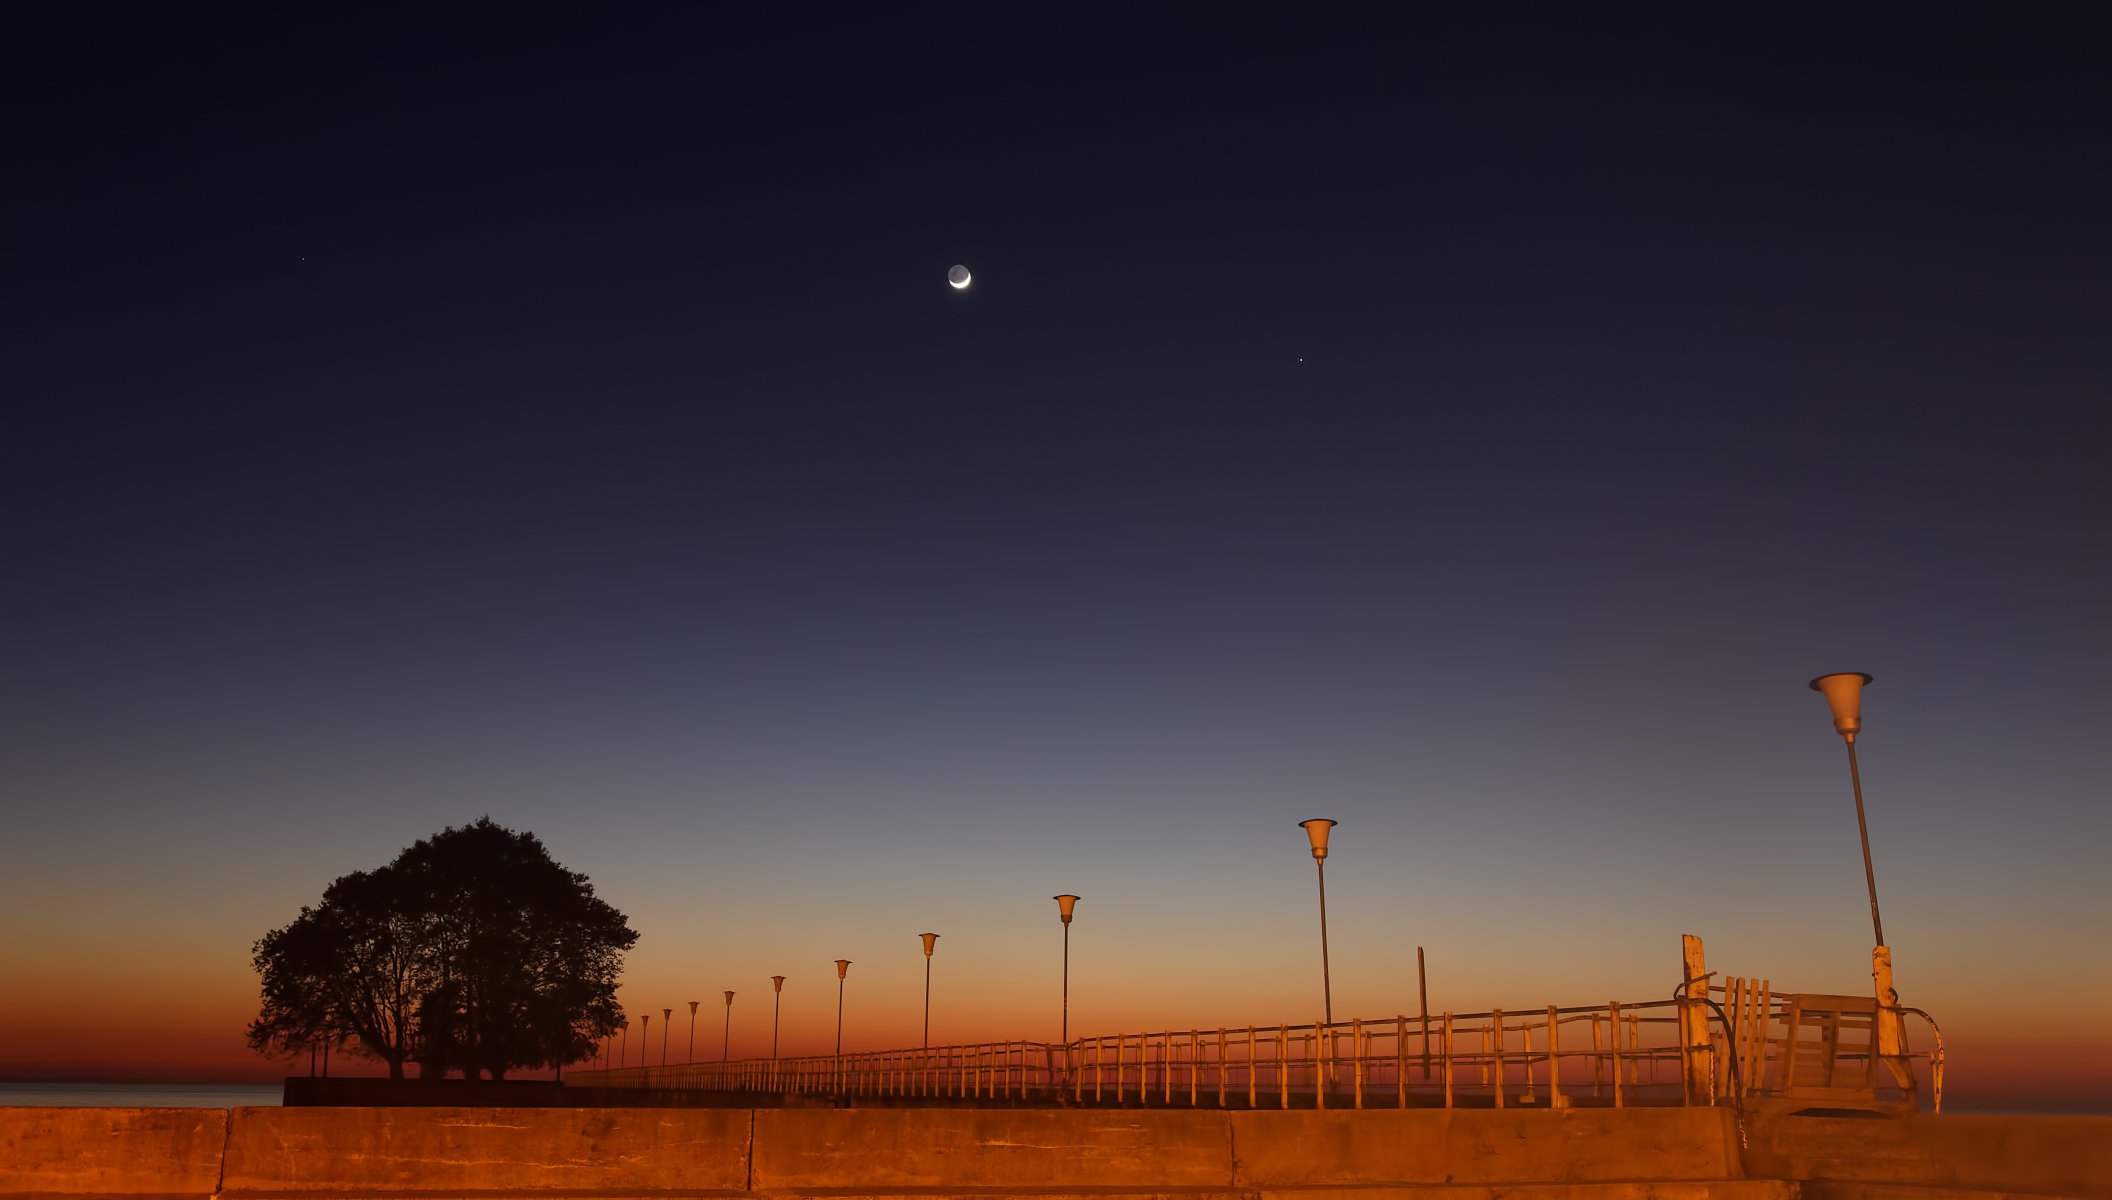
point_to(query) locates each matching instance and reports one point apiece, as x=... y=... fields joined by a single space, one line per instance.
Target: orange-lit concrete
x=285 y=1151
x=111 y=1151
x=1578 y=1154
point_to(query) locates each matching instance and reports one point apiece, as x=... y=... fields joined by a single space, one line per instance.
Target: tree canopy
x=472 y=951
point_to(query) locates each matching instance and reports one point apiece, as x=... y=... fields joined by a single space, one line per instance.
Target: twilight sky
x=1474 y=427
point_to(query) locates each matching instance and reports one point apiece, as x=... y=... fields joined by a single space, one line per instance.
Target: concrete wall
x=112 y=1151
x=1602 y=1154
x=321 y=1151
x=1425 y=1146
x=1994 y=1153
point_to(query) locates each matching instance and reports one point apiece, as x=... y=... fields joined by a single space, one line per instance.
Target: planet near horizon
x=958 y=277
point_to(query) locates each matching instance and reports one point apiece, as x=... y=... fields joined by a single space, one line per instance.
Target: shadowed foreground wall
x=1577 y=1154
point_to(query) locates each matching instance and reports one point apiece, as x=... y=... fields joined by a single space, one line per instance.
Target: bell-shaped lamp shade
x=693 y=1007
x=1316 y=831
x=777 y=983
x=667 y=1014
x=843 y=967
x=1064 y=904
x=930 y=940
x=729 y=999
x=1844 y=695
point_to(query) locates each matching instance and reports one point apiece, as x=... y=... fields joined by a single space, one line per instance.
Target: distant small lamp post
x=843 y=968
x=1844 y=695
x=931 y=941
x=667 y=1019
x=726 y=1039
x=1316 y=831
x=777 y=1003
x=625 y=1058
x=692 y=1031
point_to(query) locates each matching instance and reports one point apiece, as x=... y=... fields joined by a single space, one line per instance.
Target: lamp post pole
x=645 y=1038
x=692 y=1032
x=1316 y=831
x=931 y=940
x=1064 y=905
x=777 y=1004
x=726 y=1038
x=843 y=968
x=1844 y=695
x=667 y=1020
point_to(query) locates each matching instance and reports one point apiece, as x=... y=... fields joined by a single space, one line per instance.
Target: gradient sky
x=1474 y=427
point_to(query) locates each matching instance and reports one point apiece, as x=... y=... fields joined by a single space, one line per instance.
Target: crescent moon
x=960 y=284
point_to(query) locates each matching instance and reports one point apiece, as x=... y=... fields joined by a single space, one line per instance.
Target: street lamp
x=930 y=940
x=692 y=1032
x=645 y=1037
x=667 y=1019
x=1844 y=695
x=843 y=968
x=1064 y=905
x=1316 y=831
x=726 y=1040
x=777 y=1003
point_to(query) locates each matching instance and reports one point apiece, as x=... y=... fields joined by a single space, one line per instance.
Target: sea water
x=139 y=1095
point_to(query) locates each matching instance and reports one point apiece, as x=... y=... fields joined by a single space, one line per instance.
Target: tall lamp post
x=667 y=1021
x=1844 y=695
x=623 y=1048
x=777 y=1004
x=1064 y=905
x=843 y=968
x=1316 y=831
x=645 y=1038
x=692 y=1031
x=931 y=941
x=726 y=1039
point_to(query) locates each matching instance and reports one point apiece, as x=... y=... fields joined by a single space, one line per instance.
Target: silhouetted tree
x=472 y=951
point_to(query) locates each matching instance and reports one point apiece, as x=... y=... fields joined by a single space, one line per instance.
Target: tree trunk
x=395 y=1067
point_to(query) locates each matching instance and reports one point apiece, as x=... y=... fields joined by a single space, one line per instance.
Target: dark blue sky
x=1478 y=421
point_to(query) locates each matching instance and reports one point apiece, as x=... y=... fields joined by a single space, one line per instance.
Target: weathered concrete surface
x=111 y=1151
x=1960 y=1154
x=1006 y=1148
x=307 y=1151
x=1332 y=1149
x=1712 y=1189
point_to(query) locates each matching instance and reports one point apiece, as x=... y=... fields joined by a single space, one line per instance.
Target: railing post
x=1400 y=1058
x=1554 y=1060
x=1694 y=1043
x=1496 y=1039
x=1444 y=1051
x=1891 y=1028
x=1319 y=1070
x=1613 y=1019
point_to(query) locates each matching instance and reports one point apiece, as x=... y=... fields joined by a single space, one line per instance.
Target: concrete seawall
x=1575 y=1154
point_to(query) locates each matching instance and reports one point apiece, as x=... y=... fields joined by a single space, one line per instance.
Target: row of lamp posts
x=1843 y=691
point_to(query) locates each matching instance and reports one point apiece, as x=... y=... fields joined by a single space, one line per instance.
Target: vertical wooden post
x=1444 y=1051
x=1319 y=1078
x=1496 y=1039
x=1283 y=1079
x=1400 y=1058
x=1613 y=1020
x=1251 y=1070
x=1356 y=1046
x=1525 y=1037
x=1598 y=1060
x=1891 y=1025
x=1694 y=1044
x=1555 y=1098
x=1222 y=1067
